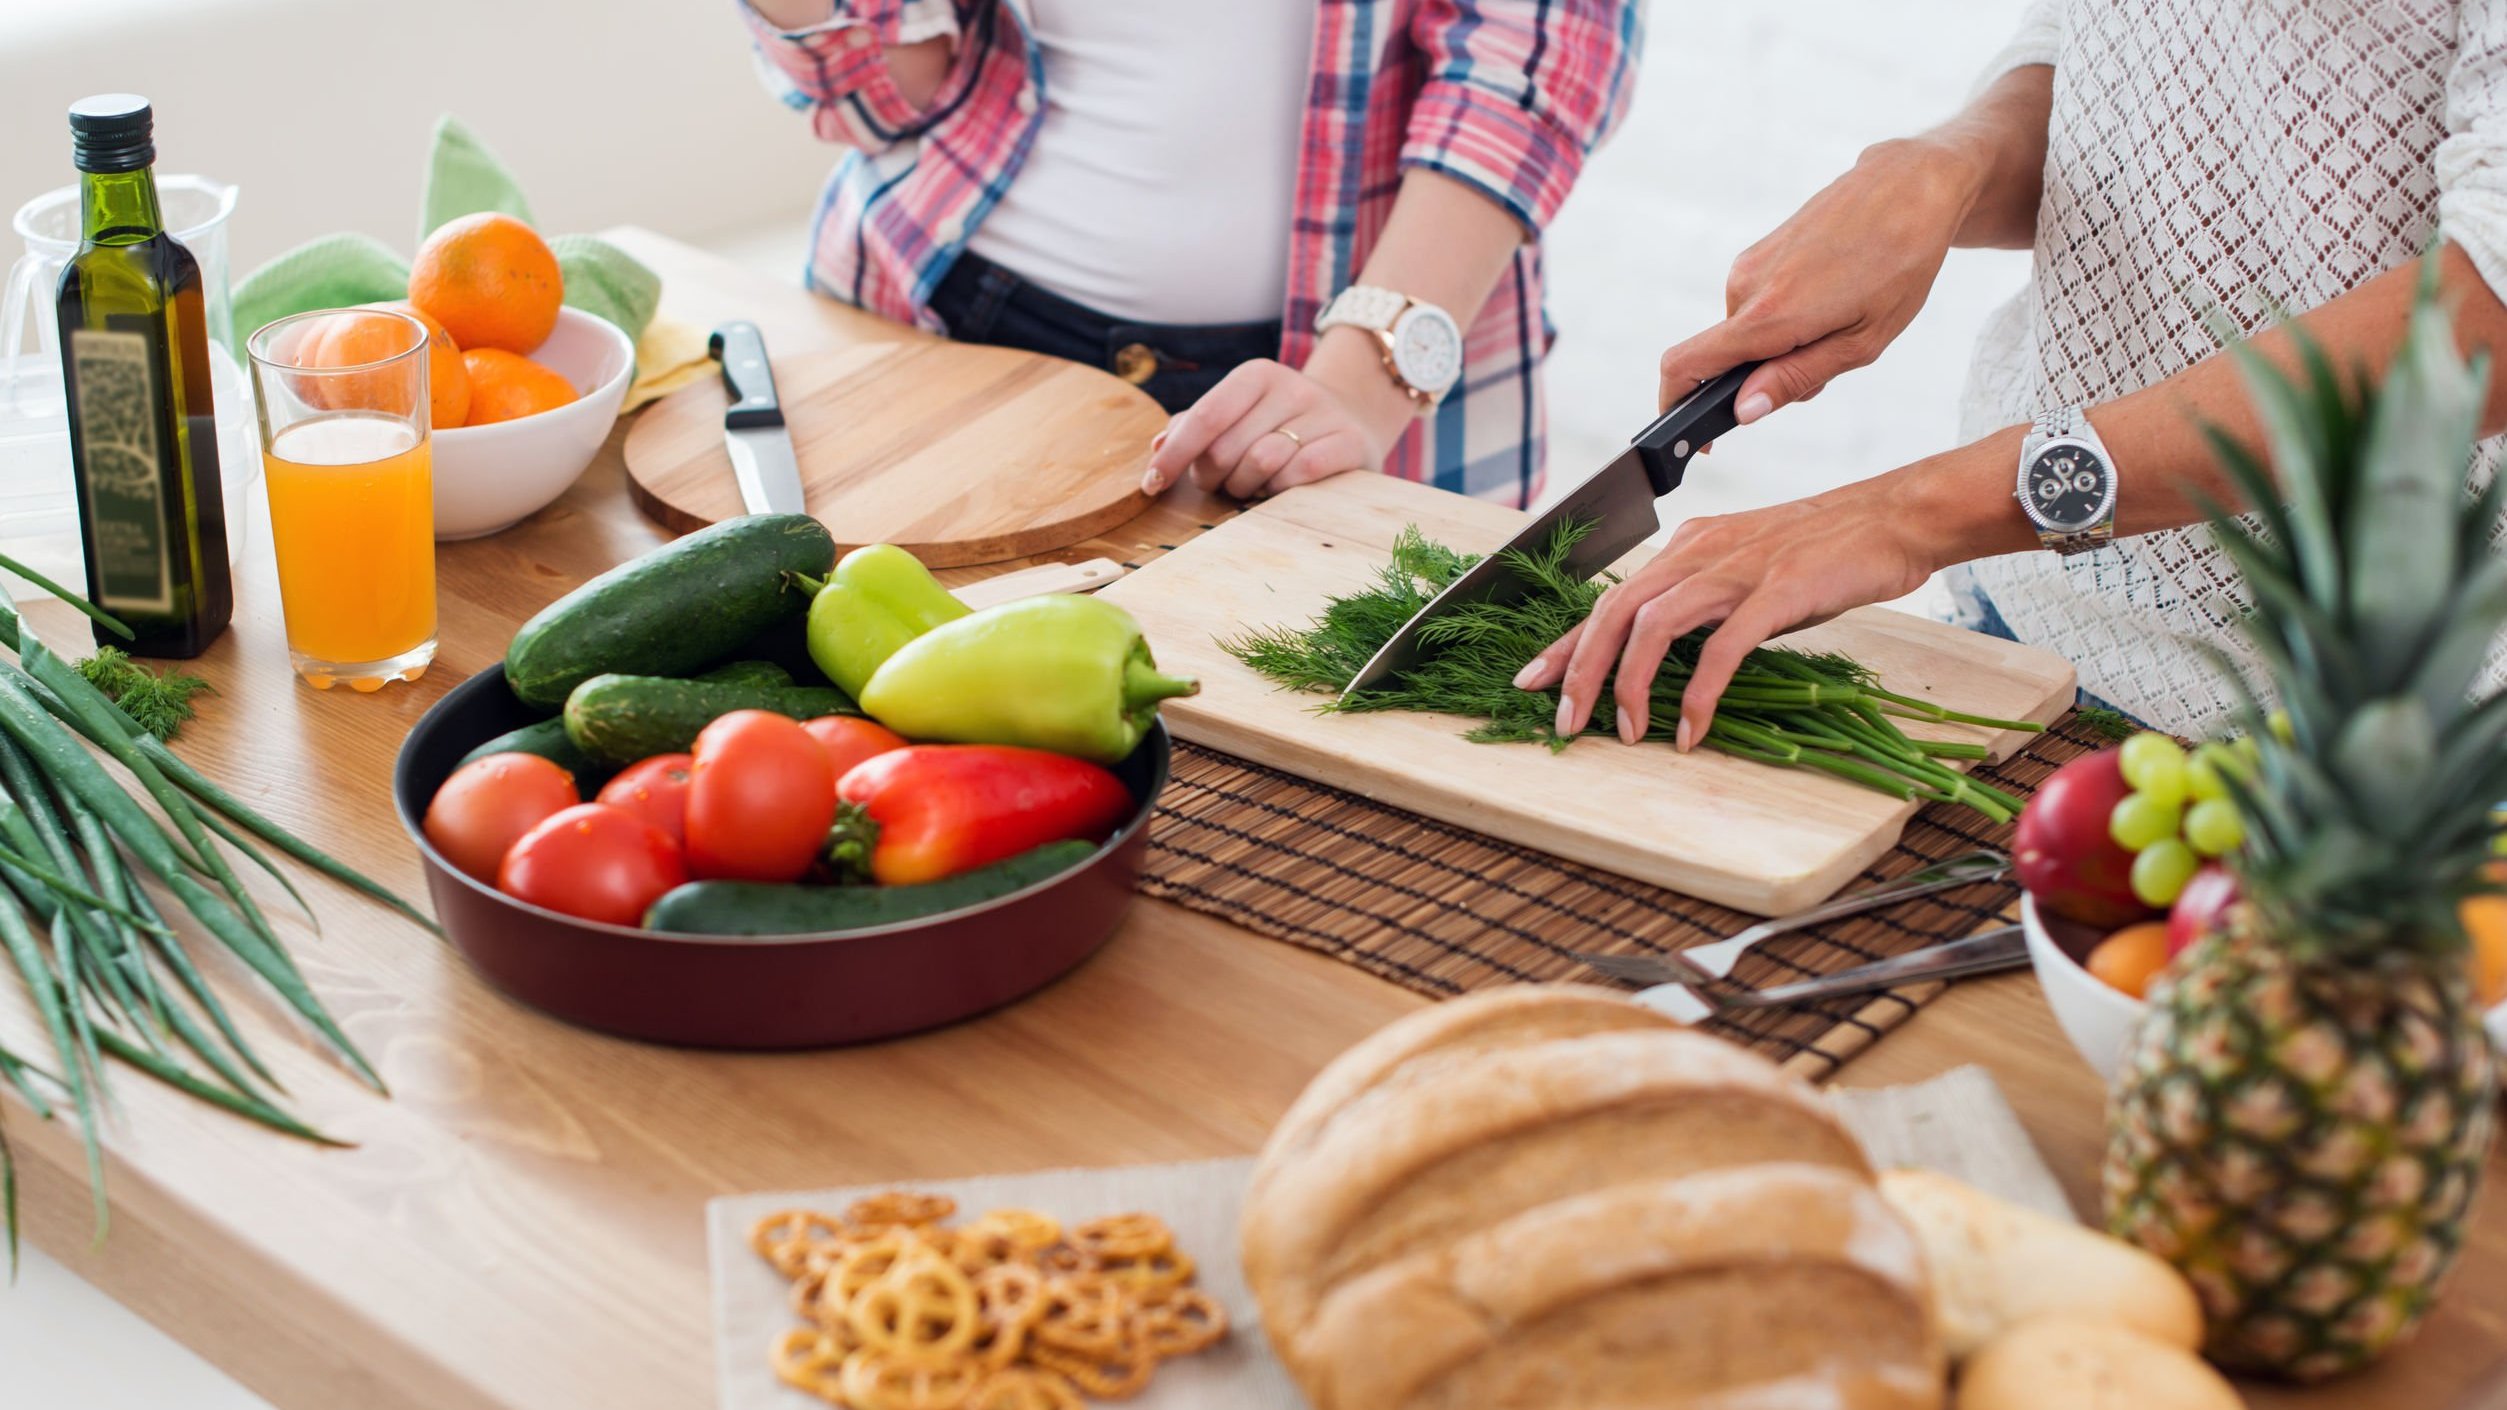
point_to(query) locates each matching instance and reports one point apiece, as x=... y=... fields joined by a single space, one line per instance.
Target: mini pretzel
x=1116 y=1377
x=873 y=1382
x=785 y=1239
x=1026 y=1389
x=1063 y=1258
x=907 y=1207
x=1082 y=1314
x=1011 y=1295
x=1184 y=1321
x=977 y=1247
x=1026 y=1230
x=1123 y=1236
x=804 y=1359
x=1155 y=1273
x=921 y=1312
x=865 y=1263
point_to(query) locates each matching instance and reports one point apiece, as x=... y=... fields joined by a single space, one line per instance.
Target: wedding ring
x=1293 y=438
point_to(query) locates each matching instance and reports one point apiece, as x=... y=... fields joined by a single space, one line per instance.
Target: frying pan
x=763 y=992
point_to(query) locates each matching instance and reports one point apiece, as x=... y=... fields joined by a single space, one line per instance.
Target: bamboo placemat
x=1442 y=910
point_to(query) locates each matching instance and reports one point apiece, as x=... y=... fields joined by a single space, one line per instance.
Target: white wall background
x=643 y=111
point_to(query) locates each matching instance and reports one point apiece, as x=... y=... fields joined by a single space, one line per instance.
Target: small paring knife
x=1618 y=501
x=1988 y=953
x=754 y=435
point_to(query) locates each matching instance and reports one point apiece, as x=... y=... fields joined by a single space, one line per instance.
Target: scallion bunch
x=108 y=975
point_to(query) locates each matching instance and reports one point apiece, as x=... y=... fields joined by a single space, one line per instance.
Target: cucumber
x=760 y=908
x=672 y=610
x=747 y=673
x=621 y=719
x=549 y=740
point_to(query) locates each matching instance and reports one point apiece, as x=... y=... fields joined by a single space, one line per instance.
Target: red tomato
x=849 y=740
x=488 y=803
x=593 y=861
x=760 y=799
x=655 y=790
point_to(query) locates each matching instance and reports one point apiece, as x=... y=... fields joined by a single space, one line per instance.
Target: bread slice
x=1770 y=1284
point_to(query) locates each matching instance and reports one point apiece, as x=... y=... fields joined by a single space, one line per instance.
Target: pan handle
x=1698 y=420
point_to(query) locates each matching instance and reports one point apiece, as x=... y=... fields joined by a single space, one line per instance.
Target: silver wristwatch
x=2067 y=482
x=1420 y=343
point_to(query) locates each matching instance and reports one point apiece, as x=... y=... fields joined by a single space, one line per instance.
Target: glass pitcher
x=37 y=499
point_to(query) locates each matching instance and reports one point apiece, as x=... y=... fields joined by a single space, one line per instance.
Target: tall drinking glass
x=344 y=442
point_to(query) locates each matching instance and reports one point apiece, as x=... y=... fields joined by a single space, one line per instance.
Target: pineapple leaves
x=2384 y=755
x=2399 y=535
x=2302 y=450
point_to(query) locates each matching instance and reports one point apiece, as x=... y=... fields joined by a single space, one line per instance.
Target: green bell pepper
x=879 y=598
x=1060 y=672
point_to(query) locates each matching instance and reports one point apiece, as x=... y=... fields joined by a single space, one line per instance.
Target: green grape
x=2214 y=828
x=2155 y=764
x=2140 y=820
x=2206 y=771
x=2279 y=723
x=2162 y=870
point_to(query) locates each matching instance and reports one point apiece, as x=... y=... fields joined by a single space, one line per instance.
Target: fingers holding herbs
x=1265 y=428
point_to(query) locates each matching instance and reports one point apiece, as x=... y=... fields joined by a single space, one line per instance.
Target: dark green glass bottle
x=143 y=427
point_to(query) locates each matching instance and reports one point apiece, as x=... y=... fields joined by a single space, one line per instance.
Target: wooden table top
x=521 y=1226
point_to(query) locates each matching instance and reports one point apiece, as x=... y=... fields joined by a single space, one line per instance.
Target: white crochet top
x=2228 y=156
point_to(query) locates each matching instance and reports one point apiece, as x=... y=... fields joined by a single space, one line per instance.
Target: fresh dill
x=1822 y=711
x=156 y=701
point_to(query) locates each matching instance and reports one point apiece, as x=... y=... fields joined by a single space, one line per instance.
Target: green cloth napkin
x=463 y=177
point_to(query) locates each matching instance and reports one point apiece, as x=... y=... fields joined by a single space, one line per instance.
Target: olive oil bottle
x=143 y=429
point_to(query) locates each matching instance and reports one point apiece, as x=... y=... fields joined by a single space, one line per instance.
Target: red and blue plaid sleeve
x=1519 y=92
x=837 y=72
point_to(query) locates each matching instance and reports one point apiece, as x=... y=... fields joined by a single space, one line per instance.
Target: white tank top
x=1161 y=183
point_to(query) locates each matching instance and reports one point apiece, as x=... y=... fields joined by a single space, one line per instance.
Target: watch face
x=1427 y=349
x=2066 y=487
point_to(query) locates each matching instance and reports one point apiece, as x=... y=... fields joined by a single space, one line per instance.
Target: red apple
x=2063 y=853
x=2199 y=906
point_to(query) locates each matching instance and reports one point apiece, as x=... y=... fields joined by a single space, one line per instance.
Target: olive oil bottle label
x=117 y=425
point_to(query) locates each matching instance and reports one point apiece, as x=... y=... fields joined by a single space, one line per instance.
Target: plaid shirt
x=1506 y=96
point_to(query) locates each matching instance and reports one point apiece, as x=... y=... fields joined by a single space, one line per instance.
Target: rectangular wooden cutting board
x=1744 y=835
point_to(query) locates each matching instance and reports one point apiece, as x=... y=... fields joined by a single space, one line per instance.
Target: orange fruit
x=448 y=381
x=490 y=280
x=2126 y=960
x=2485 y=920
x=505 y=386
x=353 y=338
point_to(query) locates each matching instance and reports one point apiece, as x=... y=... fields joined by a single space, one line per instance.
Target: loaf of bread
x=1551 y=1198
x=1996 y=1264
x=2064 y=1363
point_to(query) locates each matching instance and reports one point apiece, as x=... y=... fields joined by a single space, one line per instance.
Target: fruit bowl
x=794 y=991
x=488 y=478
x=2097 y=1018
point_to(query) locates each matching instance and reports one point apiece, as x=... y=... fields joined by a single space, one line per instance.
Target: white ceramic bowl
x=2099 y=1020
x=488 y=478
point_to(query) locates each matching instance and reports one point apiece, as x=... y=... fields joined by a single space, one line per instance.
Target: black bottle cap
x=112 y=132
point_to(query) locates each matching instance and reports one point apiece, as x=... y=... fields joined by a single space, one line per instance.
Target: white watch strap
x=1363 y=306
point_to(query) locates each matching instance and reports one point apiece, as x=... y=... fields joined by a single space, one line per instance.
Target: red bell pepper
x=934 y=810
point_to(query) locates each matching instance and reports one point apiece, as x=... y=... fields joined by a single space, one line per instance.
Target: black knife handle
x=1698 y=420
x=747 y=376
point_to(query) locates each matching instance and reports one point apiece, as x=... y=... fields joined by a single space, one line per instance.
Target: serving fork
x=1718 y=960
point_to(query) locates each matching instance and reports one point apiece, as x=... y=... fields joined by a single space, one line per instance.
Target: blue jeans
x=980 y=302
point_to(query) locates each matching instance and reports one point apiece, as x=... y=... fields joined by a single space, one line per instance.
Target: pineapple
x=2305 y=1109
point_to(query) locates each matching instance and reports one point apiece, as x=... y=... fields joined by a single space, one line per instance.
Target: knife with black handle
x=754 y=434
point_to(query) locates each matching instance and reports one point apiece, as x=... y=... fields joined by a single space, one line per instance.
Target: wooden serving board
x=961 y=454
x=1759 y=839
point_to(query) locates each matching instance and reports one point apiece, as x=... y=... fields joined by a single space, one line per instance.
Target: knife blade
x=1617 y=500
x=1988 y=953
x=754 y=434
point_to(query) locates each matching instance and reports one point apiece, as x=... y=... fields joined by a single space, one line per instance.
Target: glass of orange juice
x=344 y=432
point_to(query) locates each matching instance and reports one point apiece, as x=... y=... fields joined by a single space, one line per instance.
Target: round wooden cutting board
x=959 y=454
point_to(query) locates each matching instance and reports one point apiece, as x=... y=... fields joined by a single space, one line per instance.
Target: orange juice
x=352 y=508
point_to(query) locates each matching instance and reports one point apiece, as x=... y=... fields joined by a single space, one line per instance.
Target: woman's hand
x=1267 y=427
x=1837 y=283
x=1764 y=573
